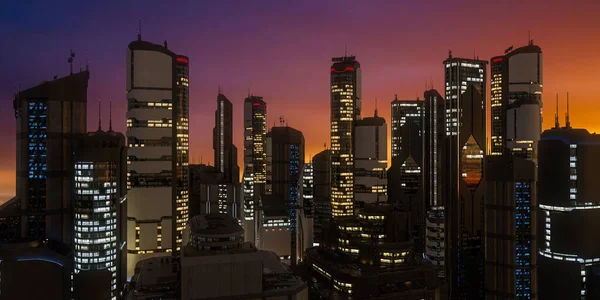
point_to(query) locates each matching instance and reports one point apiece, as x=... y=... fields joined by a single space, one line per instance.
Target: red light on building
x=182 y=60
x=496 y=60
x=349 y=69
x=256 y=104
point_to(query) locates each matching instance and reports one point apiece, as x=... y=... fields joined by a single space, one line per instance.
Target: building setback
x=510 y=237
x=157 y=138
x=255 y=158
x=346 y=86
x=49 y=118
x=569 y=214
x=463 y=193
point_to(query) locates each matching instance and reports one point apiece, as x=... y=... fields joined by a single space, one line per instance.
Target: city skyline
x=387 y=69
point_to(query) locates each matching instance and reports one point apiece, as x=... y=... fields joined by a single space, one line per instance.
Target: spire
x=568 y=123
x=375 y=107
x=110 y=116
x=99 y=115
x=139 y=29
x=395 y=96
x=556 y=123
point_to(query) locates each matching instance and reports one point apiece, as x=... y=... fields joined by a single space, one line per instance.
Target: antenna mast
x=556 y=123
x=71 y=61
x=110 y=116
x=139 y=29
x=99 y=115
x=568 y=123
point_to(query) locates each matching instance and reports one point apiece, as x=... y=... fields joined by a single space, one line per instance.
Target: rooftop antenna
x=200 y=158
x=281 y=121
x=325 y=146
x=449 y=53
x=110 y=116
x=87 y=63
x=375 y=107
x=345 y=50
x=395 y=96
x=99 y=115
x=219 y=89
x=529 y=37
x=139 y=29
x=556 y=123
x=71 y=61
x=568 y=123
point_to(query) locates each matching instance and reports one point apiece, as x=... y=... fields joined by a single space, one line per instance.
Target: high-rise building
x=286 y=229
x=516 y=101
x=211 y=193
x=434 y=135
x=370 y=161
x=569 y=214
x=100 y=178
x=370 y=256
x=157 y=138
x=463 y=191
x=255 y=159
x=510 y=237
x=322 y=192
x=308 y=189
x=225 y=150
x=346 y=99
x=49 y=117
x=405 y=180
x=404 y=111
x=459 y=73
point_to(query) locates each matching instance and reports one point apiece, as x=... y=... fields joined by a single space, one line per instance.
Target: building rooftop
x=155 y=277
x=571 y=135
x=214 y=224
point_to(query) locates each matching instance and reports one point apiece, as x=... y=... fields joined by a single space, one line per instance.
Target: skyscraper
x=510 y=237
x=49 y=117
x=308 y=189
x=370 y=161
x=322 y=191
x=283 y=200
x=225 y=150
x=345 y=99
x=157 y=138
x=569 y=214
x=211 y=193
x=255 y=158
x=434 y=136
x=404 y=111
x=405 y=179
x=463 y=191
x=516 y=101
x=100 y=177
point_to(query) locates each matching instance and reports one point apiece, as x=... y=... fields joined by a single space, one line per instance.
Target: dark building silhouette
x=49 y=118
x=322 y=191
x=463 y=192
x=510 y=237
x=100 y=217
x=370 y=161
x=404 y=111
x=371 y=256
x=434 y=134
x=255 y=159
x=157 y=84
x=225 y=150
x=516 y=101
x=346 y=96
x=569 y=214
x=283 y=201
x=405 y=179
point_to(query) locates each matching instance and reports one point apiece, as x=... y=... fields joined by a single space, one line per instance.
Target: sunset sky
x=282 y=50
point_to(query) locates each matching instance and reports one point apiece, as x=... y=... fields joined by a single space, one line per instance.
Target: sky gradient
x=282 y=50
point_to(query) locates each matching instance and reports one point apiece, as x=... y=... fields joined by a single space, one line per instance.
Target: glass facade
x=294 y=193
x=95 y=232
x=523 y=260
x=307 y=190
x=402 y=112
x=181 y=115
x=255 y=155
x=497 y=143
x=472 y=163
x=37 y=168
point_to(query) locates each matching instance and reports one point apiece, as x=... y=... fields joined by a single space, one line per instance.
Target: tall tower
x=516 y=96
x=322 y=192
x=370 y=161
x=225 y=150
x=157 y=138
x=463 y=192
x=255 y=158
x=345 y=110
x=100 y=177
x=569 y=210
x=510 y=237
x=49 y=117
x=404 y=111
x=433 y=141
